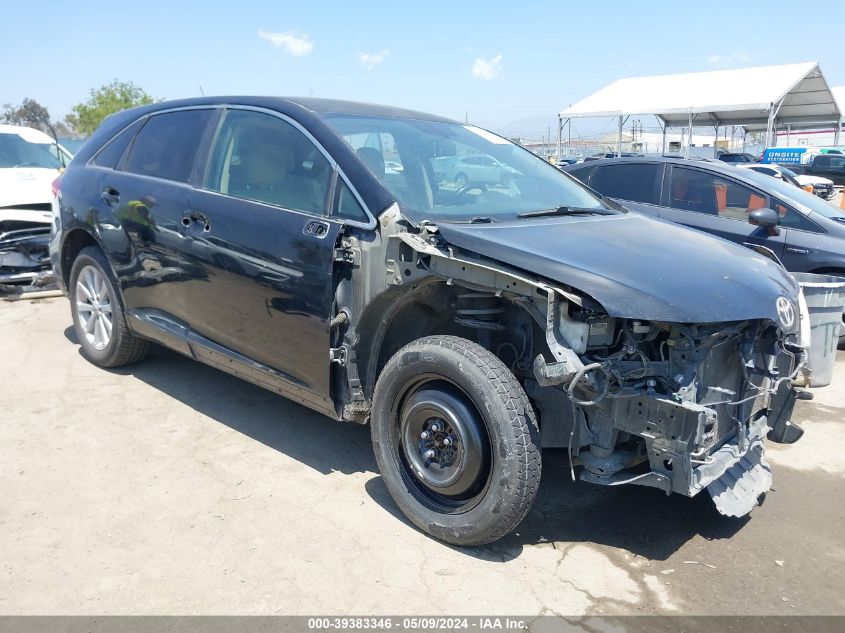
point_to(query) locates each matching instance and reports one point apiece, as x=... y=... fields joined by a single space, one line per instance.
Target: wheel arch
x=73 y=243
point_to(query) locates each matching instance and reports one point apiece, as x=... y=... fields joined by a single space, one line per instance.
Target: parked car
x=821 y=187
x=804 y=232
x=29 y=162
x=563 y=161
x=478 y=169
x=602 y=156
x=469 y=327
x=831 y=166
x=737 y=157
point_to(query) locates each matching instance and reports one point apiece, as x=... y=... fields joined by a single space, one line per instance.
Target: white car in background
x=822 y=187
x=29 y=163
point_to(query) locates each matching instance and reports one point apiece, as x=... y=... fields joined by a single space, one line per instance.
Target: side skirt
x=165 y=330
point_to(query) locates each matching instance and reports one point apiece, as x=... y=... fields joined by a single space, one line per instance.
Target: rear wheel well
x=73 y=244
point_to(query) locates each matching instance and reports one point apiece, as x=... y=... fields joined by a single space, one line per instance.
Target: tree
x=29 y=113
x=114 y=97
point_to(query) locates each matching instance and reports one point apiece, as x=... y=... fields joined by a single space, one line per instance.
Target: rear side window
x=111 y=154
x=167 y=144
x=634 y=182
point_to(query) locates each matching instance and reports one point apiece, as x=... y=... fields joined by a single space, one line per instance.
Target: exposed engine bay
x=674 y=406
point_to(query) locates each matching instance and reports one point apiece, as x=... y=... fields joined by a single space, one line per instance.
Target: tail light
x=54 y=203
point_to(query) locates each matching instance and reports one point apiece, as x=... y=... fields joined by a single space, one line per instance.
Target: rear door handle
x=110 y=196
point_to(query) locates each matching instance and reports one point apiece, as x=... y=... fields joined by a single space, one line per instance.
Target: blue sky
x=499 y=62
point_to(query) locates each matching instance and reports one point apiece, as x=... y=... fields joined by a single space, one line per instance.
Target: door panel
x=145 y=197
x=260 y=284
x=147 y=213
x=259 y=263
x=718 y=205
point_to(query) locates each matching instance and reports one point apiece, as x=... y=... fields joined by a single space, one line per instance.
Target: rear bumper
x=55 y=248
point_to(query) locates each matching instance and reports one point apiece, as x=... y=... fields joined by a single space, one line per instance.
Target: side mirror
x=767 y=218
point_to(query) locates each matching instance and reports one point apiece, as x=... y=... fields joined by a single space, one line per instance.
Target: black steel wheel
x=456 y=440
x=443 y=444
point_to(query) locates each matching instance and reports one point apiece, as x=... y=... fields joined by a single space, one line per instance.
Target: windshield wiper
x=564 y=210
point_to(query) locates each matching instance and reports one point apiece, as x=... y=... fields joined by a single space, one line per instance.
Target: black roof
x=310 y=104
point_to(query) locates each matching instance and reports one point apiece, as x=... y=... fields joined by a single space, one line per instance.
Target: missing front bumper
x=740 y=487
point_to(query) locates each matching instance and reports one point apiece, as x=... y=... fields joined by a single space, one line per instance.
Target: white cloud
x=293 y=42
x=487 y=70
x=737 y=57
x=371 y=60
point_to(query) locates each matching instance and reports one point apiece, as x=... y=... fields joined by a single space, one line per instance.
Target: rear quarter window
x=636 y=182
x=109 y=156
x=582 y=173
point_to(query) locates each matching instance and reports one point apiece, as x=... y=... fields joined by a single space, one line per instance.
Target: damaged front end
x=680 y=407
x=661 y=401
x=24 y=241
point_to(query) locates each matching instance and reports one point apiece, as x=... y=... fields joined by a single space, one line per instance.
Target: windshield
x=16 y=151
x=452 y=172
x=796 y=196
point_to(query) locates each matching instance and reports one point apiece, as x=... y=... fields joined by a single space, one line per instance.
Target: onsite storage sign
x=784 y=155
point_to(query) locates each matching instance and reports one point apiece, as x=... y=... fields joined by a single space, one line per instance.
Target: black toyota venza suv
x=308 y=246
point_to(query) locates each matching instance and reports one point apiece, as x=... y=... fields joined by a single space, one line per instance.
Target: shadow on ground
x=642 y=520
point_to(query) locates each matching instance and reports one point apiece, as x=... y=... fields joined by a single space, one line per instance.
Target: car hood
x=637 y=267
x=22 y=185
x=804 y=179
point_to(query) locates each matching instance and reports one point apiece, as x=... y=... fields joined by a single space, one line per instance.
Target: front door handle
x=317 y=228
x=110 y=196
x=196 y=218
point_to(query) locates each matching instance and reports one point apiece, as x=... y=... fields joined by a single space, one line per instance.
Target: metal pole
x=769 y=125
x=836 y=129
x=689 y=139
x=559 y=133
x=663 y=151
x=716 y=144
x=744 y=134
x=619 y=139
x=788 y=134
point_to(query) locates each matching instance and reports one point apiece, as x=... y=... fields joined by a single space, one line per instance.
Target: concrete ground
x=172 y=488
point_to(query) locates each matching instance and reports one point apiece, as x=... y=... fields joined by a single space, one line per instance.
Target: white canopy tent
x=791 y=94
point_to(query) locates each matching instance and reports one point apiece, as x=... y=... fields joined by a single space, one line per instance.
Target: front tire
x=456 y=440
x=97 y=312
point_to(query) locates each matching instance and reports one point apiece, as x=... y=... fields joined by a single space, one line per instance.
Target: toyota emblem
x=786 y=313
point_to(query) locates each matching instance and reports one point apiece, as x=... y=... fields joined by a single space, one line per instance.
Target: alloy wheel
x=94 y=307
